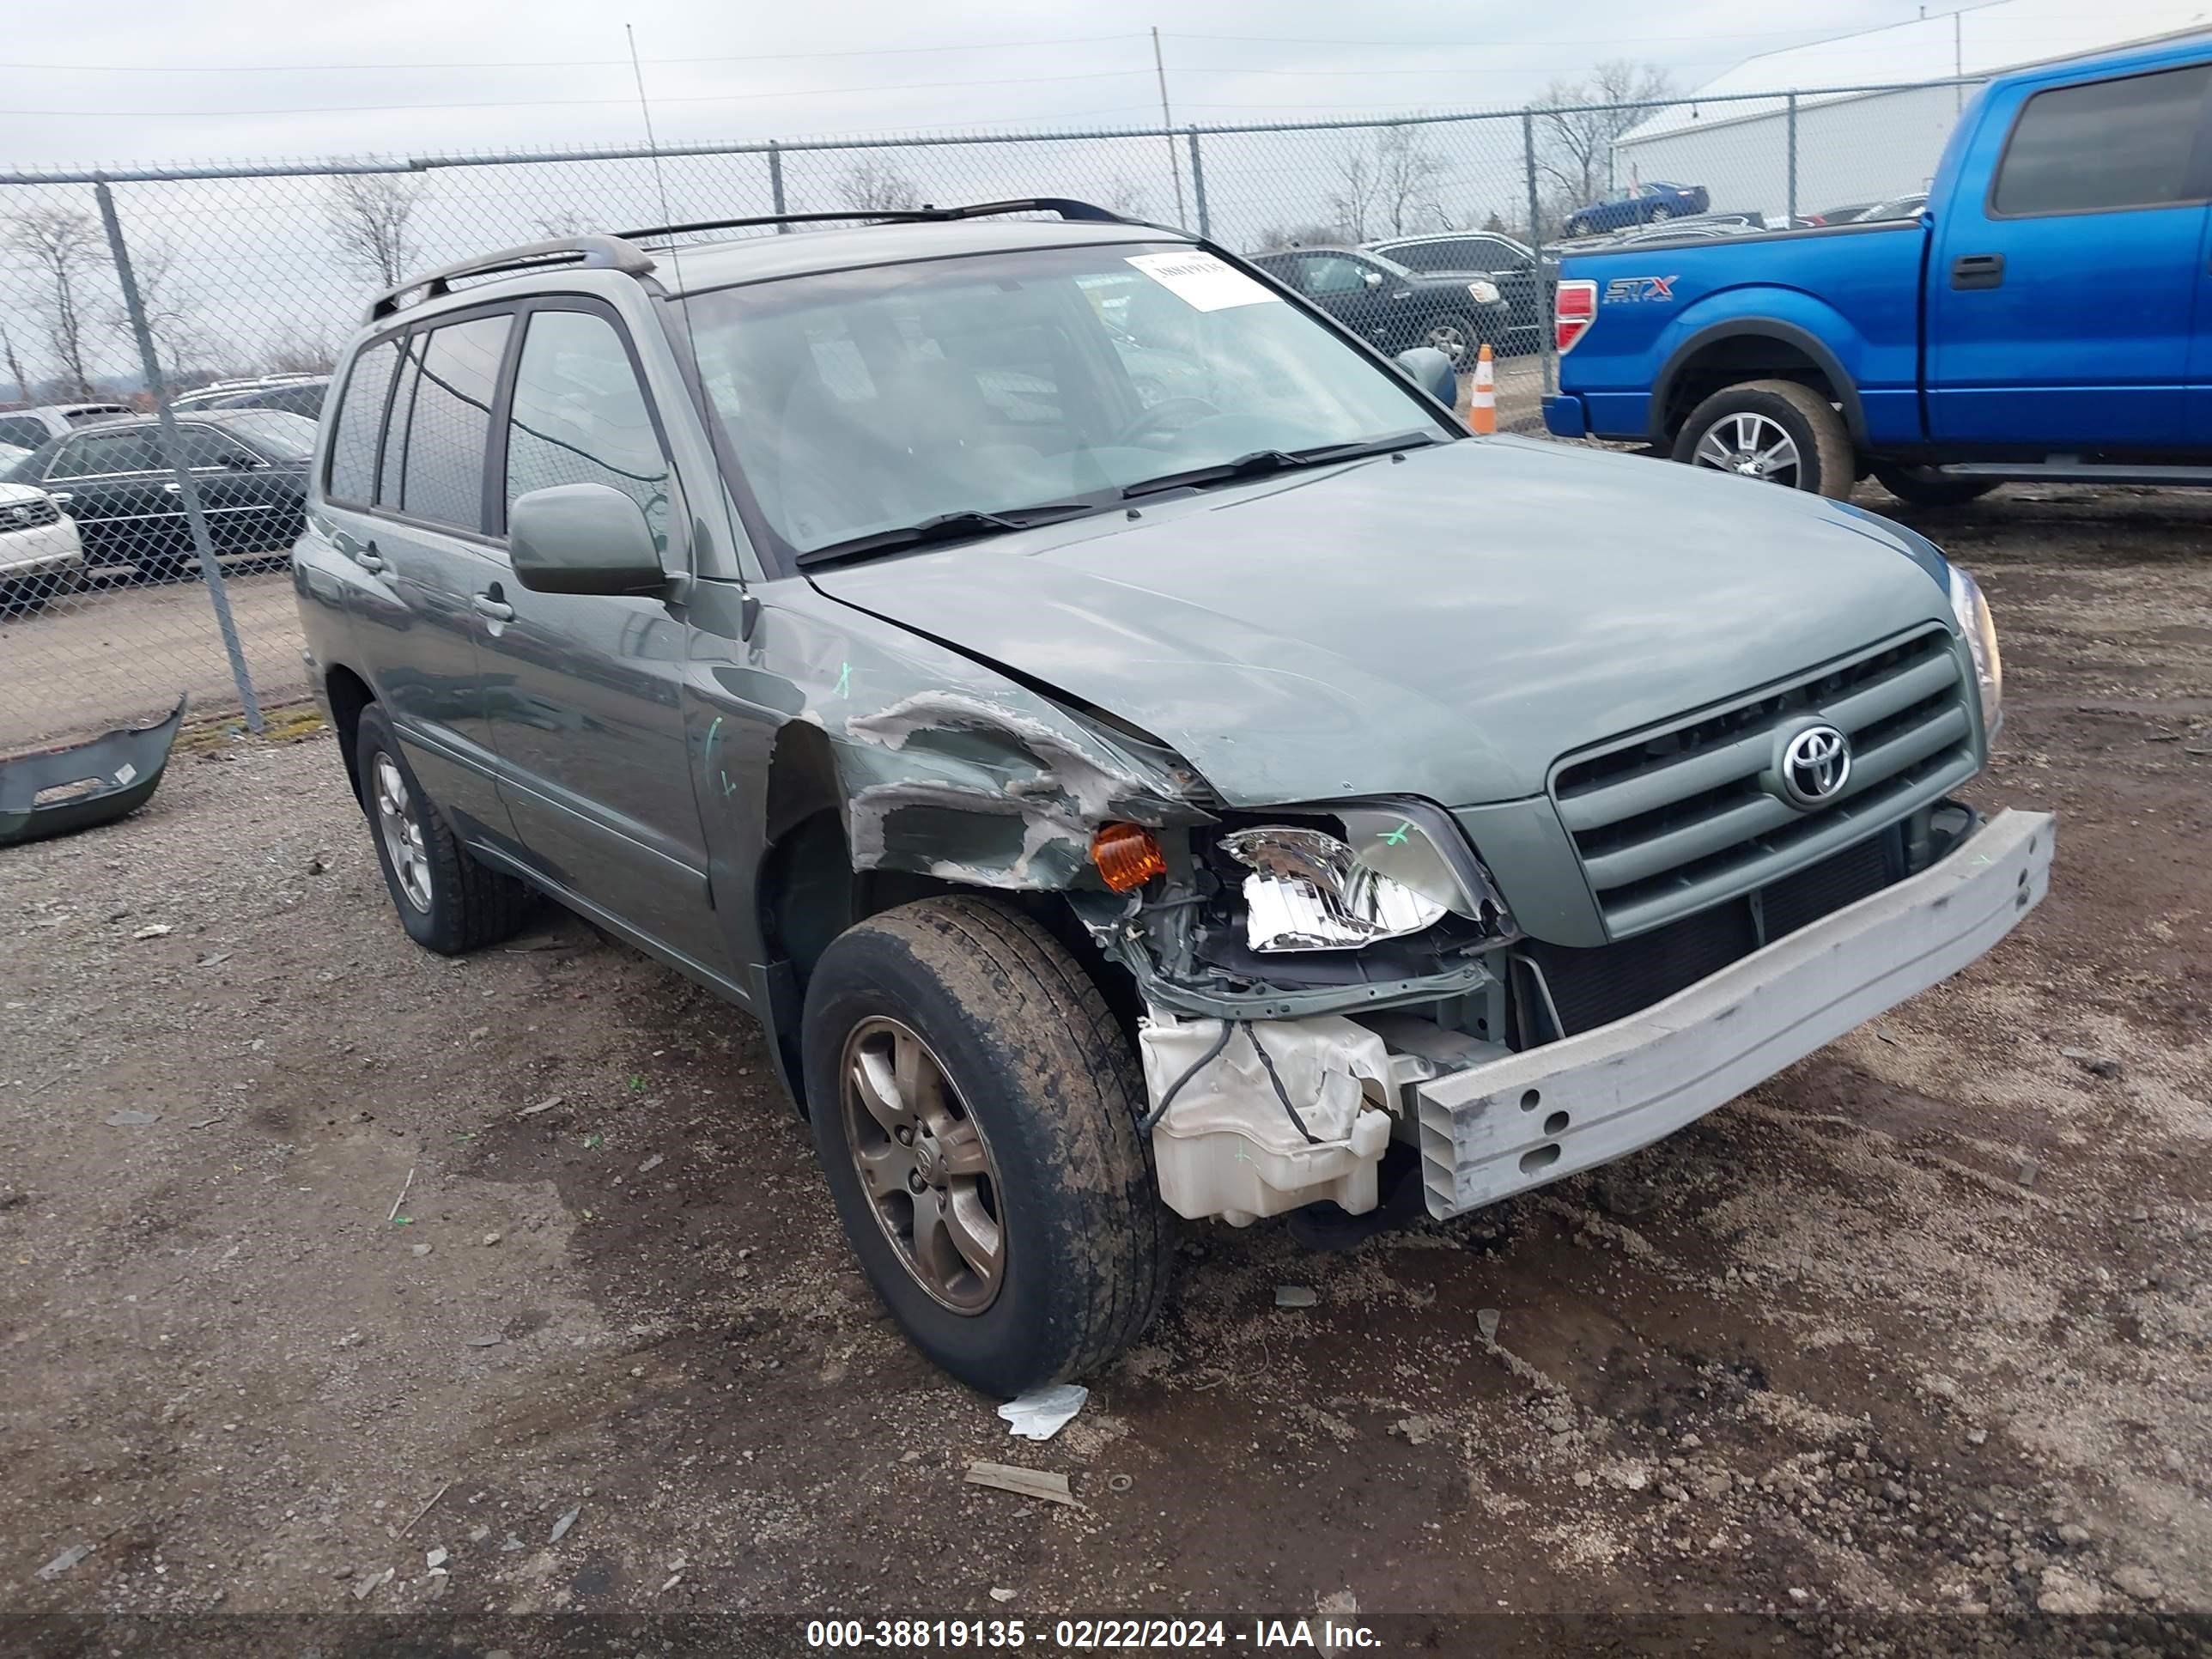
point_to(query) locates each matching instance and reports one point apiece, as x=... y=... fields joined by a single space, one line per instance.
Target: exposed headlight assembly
x=1972 y=612
x=1308 y=890
x=1483 y=293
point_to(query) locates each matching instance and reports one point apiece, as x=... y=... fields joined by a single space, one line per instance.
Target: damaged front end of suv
x=1671 y=920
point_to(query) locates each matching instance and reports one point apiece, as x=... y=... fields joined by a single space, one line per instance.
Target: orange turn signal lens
x=1127 y=855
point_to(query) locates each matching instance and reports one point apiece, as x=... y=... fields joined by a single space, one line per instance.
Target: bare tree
x=1353 y=199
x=298 y=351
x=371 y=217
x=180 y=341
x=1406 y=172
x=1583 y=120
x=15 y=367
x=556 y=226
x=60 y=246
x=873 y=187
x=1126 y=196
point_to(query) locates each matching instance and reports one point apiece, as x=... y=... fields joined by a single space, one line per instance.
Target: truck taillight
x=1573 y=310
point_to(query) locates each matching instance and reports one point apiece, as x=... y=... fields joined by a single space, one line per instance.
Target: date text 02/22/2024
x=1079 y=1635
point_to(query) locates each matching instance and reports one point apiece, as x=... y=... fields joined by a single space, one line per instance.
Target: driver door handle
x=369 y=559
x=490 y=605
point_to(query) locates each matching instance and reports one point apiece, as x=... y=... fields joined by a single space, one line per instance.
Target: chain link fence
x=166 y=334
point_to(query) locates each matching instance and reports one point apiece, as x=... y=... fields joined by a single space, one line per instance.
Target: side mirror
x=1429 y=369
x=1373 y=279
x=582 y=538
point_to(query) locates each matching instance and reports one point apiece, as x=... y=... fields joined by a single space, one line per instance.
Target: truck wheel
x=1924 y=486
x=1455 y=337
x=1775 y=430
x=446 y=901
x=975 y=1107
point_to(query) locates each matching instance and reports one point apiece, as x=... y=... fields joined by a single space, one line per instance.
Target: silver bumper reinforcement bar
x=1499 y=1128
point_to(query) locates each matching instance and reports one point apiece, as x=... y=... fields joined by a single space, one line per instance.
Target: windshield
x=857 y=402
x=286 y=437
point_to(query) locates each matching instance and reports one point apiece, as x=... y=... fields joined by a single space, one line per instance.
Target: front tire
x=1922 y=486
x=446 y=901
x=1776 y=431
x=974 y=1106
x=1456 y=337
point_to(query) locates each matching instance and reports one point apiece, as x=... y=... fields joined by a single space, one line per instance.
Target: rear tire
x=1025 y=1051
x=446 y=901
x=1824 y=464
x=1921 y=486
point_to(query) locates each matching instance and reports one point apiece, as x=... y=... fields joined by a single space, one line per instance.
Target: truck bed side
x=1838 y=308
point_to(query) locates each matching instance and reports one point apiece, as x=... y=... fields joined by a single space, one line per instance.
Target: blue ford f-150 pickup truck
x=2044 y=318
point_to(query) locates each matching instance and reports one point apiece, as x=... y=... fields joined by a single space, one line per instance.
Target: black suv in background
x=1463 y=255
x=113 y=479
x=1392 y=307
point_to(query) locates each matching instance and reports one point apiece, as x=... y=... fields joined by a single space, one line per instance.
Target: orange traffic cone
x=1482 y=405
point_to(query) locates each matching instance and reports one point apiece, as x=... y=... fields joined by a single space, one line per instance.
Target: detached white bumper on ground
x=1499 y=1128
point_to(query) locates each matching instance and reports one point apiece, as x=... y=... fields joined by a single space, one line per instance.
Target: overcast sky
x=155 y=81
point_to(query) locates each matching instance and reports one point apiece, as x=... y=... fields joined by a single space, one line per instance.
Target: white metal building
x=1864 y=147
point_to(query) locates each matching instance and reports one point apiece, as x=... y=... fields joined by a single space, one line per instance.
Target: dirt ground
x=1918 y=1328
x=117 y=652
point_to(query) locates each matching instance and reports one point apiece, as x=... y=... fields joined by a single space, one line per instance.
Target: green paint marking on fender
x=728 y=788
x=1397 y=837
x=711 y=730
x=844 y=680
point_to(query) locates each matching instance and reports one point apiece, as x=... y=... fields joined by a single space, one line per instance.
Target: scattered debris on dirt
x=1029 y=1483
x=1043 y=1413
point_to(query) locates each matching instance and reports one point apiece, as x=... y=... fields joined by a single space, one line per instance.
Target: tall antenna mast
x=1166 y=120
x=651 y=144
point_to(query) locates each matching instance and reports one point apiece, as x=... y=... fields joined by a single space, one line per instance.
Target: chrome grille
x=26 y=515
x=1670 y=821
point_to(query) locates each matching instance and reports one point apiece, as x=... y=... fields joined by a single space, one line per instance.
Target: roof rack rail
x=1064 y=206
x=601 y=252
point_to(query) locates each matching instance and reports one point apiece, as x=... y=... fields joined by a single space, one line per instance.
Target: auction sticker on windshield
x=1202 y=281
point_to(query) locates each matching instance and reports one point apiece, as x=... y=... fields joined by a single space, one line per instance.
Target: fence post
x=1792 y=123
x=1547 y=342
x=776 y=184
x=1198 y=188
x=172 y=445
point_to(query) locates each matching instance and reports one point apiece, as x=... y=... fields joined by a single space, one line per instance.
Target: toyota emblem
x=1815 y=764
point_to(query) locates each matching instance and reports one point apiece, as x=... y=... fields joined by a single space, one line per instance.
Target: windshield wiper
x=1261 y=461
x=962 y=526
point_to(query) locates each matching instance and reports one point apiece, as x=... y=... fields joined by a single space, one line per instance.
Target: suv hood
x=1447 y=626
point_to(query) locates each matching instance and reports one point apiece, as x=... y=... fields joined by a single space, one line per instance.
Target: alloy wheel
x=403 y=834
x=1449 y=338
x=1750 y=445
x=924 y=1166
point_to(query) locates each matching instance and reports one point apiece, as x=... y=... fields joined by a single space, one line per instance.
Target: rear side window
x=449 y=426
x=23 y=431
x=360 y=420
x=205 y=448
x=96 y=456
x=580 y=417
x=2104 y=144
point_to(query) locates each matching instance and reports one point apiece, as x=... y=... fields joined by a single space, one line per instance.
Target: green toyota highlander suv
x=1132 y=749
